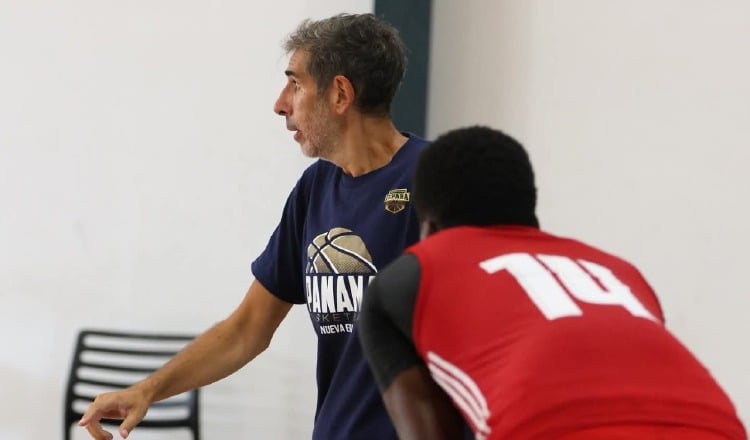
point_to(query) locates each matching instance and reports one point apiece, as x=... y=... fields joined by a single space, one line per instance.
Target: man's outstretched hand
x=129 y=405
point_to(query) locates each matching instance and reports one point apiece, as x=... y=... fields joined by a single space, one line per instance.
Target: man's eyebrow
x=290 y=73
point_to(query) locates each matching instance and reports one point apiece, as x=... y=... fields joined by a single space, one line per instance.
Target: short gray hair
x=363 y=48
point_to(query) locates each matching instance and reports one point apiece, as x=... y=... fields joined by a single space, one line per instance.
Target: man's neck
x=367 y=144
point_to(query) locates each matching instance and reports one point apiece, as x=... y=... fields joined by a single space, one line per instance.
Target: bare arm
x=417 y=406
x=223 y=349
x=420 y=409
x=220 y=351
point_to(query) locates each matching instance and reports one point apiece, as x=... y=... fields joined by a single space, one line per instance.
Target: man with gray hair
x=348 y=215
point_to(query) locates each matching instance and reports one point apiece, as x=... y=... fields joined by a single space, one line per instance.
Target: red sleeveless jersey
x=536 y=336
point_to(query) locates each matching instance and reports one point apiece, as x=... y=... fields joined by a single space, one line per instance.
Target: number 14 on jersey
x=536 y=275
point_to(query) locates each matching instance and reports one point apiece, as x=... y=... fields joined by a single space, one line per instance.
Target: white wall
x=141 y=171
x=636 y=115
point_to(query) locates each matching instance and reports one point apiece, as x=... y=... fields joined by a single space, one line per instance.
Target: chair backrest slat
x=131 y=352
x=121 y=368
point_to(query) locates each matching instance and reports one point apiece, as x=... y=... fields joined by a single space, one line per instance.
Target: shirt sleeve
x=386 y=319
x=279 y=266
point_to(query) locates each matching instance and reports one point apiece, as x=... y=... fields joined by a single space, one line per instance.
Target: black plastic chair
x=109 y=360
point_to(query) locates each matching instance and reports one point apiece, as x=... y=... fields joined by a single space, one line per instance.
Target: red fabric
x=645 y=432
x=546 y=377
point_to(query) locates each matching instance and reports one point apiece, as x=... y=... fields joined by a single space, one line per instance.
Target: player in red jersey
x=525 y=334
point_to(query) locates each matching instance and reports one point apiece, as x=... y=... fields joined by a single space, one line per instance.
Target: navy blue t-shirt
x=335 y=233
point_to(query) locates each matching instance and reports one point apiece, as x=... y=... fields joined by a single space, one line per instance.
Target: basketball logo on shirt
x=396 y=200
x=339 y=251
x=339 y=269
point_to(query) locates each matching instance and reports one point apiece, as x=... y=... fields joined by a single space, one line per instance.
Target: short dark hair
x=366 y=50
x=475 y=176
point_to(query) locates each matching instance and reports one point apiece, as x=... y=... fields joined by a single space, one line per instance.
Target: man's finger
x=97 y=432
x=96 y=410
x=133 y=418
x=92 y=413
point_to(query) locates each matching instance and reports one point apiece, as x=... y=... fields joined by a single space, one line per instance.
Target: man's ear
x=341 y=94
x=427 y=227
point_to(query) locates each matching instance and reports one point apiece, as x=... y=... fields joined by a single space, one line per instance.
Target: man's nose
x=280 y=107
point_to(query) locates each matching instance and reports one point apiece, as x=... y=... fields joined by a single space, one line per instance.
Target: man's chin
x=308 y=150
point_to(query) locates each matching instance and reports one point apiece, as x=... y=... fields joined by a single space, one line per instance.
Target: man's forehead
x=297 y=65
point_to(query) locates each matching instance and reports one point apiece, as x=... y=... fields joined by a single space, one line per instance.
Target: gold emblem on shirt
x=396 y=200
